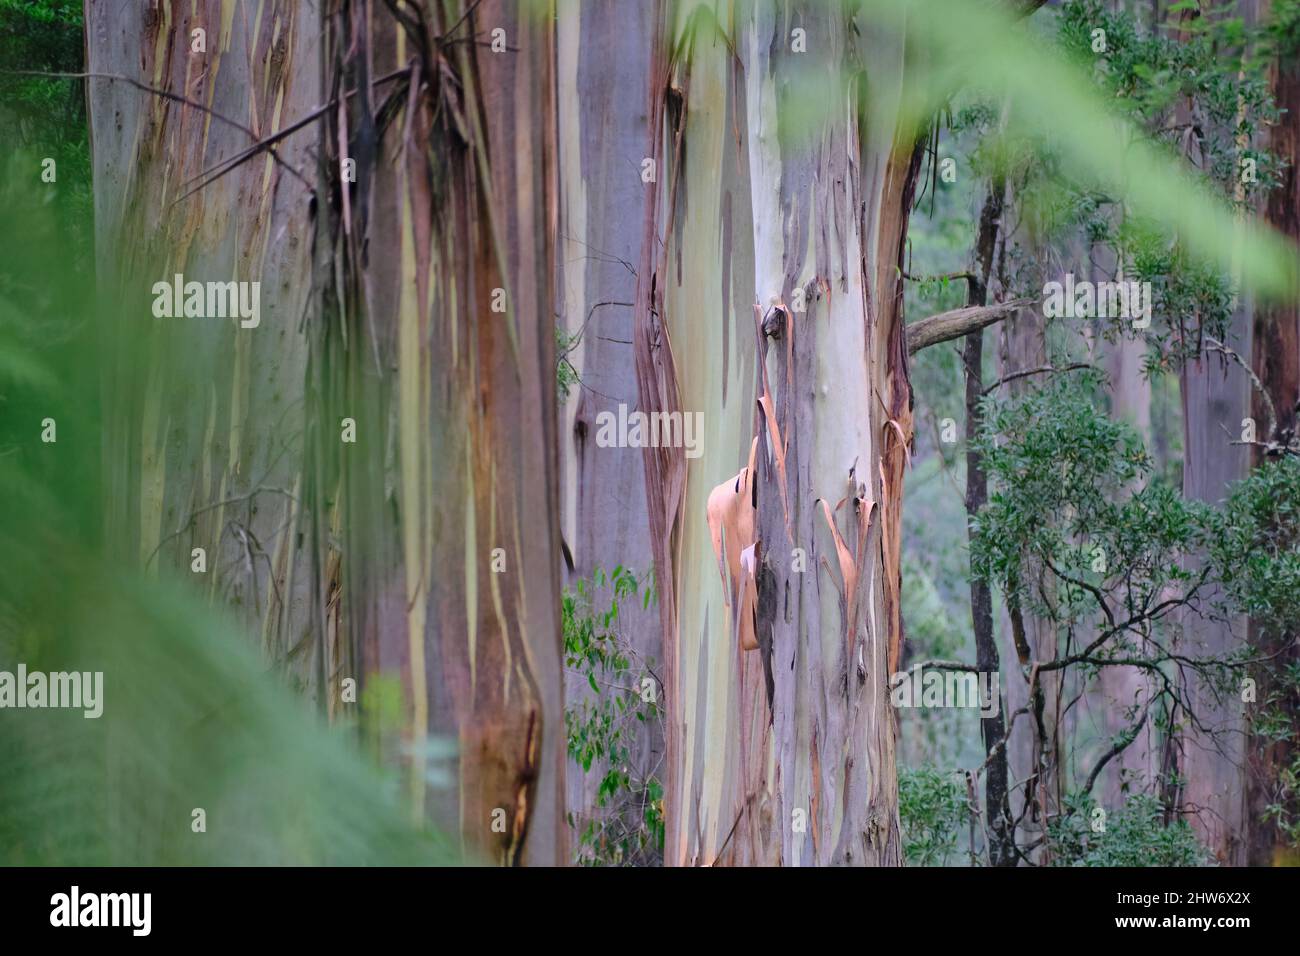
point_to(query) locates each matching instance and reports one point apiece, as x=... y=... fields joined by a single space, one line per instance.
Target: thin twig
x=1042 y=369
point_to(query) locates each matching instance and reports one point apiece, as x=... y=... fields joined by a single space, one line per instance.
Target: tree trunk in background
x=449 y=502
x=1276 y=361
x=783 y=753
x=1215 y=400
x=1215 y=397
x=1033 y=756
x=1125 y=691
x=993 y=730
x=603 y=74
x=204 y=419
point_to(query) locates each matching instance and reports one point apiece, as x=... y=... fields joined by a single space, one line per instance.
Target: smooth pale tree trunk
x=768 y=301
x=448 y=570
x=204 y=419
x=1276 y=362
x=603 y=68
x=1125 y=691
x=602 y=77
x=1215 y=397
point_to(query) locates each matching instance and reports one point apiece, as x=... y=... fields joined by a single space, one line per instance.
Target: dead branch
x=958 y=322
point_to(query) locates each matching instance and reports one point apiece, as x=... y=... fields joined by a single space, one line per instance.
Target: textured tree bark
x=602 y=76
x=783 y=753
x=1124 y=691
x=204 y=449
x=1033 y=738
x=437 y=269
x=1276 y=362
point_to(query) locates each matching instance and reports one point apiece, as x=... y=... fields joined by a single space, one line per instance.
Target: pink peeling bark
x=769 y=299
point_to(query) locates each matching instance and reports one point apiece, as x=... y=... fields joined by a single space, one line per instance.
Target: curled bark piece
x=731 y=515
x=851 y=562
x=848 y=577
x=747 y=619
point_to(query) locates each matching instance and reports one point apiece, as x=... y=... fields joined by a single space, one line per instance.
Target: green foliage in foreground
x=1255 y=540
x=626 y=825
x=192 y=716
x=931 y=808
x=1135 y=835
x=191 y=720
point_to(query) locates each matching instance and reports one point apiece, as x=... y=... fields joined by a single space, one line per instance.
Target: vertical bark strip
x=656 y=377
x=449 y=498
x=603 y=79
x=204 y=450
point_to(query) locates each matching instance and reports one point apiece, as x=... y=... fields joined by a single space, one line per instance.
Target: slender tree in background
x=1215 y=399
x=1034 y=740
x=1125 y=692
x=993 y=729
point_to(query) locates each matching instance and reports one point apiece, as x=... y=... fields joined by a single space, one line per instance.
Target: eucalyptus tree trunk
x=1215 y=397
x=1215 y=400
x=1033 y=738
x=1276 y=363
x=204 y=414
x=602 y=81
x=1125 y=691
x=768 y=303
x=435 y=344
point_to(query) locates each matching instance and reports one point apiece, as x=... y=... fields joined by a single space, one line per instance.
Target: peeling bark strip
x=454 y=200
x=209 y=441
x=785 y=755
x=656 y=376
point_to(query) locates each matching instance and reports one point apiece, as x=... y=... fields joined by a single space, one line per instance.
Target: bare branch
x=941 y=665
x=167 y=95
x=1042 y=369
x=1127 y=737
x=1215 y=345
x=958 y=322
